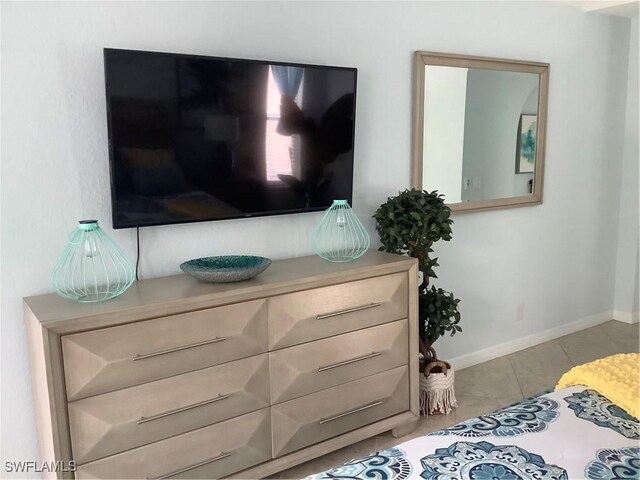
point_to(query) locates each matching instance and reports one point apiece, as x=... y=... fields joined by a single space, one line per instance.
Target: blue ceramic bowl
x=225 y=269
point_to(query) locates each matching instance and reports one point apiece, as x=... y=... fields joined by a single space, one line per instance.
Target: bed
x=571 y=433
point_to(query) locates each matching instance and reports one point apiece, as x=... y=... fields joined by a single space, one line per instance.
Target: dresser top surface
x=168 y=295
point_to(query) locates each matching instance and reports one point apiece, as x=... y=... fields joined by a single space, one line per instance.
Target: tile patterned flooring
x=497 y=383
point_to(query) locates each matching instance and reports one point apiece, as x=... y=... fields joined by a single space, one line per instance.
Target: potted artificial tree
x=410 y=223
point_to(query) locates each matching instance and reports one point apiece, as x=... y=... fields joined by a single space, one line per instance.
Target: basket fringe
x=441 y=398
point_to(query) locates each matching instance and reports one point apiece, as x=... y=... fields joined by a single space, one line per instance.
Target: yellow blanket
x=616 y=377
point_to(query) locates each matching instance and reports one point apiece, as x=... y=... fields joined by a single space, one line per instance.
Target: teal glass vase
x=91 y=268
x=340 y=236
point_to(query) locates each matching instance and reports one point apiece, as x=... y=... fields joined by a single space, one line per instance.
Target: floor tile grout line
x=515 y=375
x=564 y=350
x=617 y=344
x=606 y=334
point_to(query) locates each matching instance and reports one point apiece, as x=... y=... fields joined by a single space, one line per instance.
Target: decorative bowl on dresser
x=182 y=379
x=225 y=268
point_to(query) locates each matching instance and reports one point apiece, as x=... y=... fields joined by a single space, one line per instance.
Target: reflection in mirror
x=472 y=136
x=480 y=143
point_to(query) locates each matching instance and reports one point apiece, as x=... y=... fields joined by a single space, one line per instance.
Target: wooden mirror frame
x=423 y=59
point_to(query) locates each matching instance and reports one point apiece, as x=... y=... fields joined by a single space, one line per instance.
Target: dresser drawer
x=108 y=359
x=311 y=419
x=210 y=452
x=314 y=366
x=324 y=312
x=113 y=422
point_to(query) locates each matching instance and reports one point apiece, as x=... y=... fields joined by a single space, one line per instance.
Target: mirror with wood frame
x=479 y=129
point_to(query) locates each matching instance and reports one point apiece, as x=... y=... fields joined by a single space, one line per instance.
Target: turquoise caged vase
x=340 y=236
x=91 y=268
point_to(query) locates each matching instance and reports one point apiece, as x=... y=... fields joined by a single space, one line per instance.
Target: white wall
x=444 y=111
x=628 y=258
x=558 y=258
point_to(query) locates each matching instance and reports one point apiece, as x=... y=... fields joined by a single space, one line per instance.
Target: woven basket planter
x=437 y=393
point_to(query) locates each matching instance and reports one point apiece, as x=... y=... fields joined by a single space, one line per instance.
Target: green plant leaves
x=438 y=313
x=414 y=216
x=409 y=224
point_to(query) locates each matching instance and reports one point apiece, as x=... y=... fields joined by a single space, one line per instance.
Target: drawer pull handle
x=348 y=310
x=182 y=409
x=350 y=412
x=191 y=467
x=352 y=360
x=177 y=349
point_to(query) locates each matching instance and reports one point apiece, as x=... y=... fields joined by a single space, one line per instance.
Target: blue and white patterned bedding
x=574 y=433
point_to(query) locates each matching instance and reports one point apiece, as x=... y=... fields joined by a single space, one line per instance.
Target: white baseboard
x=486 y=354
x=626 y=317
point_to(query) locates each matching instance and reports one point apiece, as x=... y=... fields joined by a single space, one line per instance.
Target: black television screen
x=195 y=138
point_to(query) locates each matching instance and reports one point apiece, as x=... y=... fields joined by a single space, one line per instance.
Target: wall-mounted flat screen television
x=194 y=138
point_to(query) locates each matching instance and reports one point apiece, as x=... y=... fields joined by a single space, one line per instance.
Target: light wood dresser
x=182 y=379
